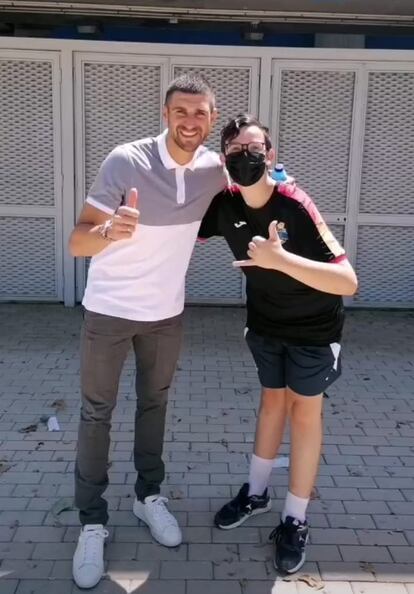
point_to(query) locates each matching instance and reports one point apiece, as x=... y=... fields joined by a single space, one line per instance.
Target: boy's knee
x=273 y=401
x=305 y=410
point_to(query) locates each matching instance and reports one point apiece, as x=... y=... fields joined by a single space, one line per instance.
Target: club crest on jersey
x=281 y=231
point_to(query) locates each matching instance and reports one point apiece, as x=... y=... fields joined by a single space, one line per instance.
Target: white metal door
x=344 y=123
x=385 y=233
x=211 y=278
x=31 y=260
x=345 y=130
x=313 y=103
x=118 y=98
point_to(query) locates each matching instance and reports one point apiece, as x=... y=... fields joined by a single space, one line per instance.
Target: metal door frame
x=254 y=97
x=79 y=59
x=56 y=212
x=347 y=218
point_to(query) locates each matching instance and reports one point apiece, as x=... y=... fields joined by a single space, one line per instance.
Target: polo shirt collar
x=167 y=160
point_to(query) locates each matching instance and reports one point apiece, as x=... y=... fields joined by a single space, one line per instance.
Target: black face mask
x=246 y=168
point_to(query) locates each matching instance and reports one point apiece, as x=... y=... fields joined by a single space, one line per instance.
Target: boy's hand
x=266 y=253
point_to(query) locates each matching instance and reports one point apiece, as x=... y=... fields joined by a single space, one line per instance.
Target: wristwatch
x=103 y=230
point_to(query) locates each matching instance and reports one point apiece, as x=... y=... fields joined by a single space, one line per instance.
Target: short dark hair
x=191 y=83
x=234 y=126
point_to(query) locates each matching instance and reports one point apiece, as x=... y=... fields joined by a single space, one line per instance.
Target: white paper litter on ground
x=53 y=424
x=281 y=462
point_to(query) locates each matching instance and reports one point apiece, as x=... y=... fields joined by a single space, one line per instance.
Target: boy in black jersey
x=296 y=273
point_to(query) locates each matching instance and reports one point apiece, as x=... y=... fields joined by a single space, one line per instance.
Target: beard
x=189 y=145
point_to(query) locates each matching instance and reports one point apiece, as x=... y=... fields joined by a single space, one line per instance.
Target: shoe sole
x=290 y=571
x=297 y=567
x=86 y=586
x=255 y=512
x=152 y=534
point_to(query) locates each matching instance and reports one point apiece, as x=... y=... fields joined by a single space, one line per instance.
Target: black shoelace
x=292 y=539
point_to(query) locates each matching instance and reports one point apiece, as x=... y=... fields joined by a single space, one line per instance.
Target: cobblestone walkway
x=362 y=515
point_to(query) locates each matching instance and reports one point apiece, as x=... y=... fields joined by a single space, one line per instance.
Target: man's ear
x=270 y=157
x=214 y=116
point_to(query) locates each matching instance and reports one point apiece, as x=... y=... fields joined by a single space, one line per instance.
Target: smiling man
x=135 y=294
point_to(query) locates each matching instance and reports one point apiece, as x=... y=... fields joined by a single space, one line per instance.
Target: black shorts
x=307 y=370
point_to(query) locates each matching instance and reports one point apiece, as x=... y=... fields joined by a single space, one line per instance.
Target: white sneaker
x=88 y=564
x=163 y=526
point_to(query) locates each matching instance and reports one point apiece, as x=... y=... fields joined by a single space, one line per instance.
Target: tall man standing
x=135 y=294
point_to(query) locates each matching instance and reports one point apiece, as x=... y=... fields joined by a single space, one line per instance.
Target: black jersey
x=277 y=304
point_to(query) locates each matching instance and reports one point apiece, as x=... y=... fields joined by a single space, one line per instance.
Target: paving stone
x=7 y=533
x=335 y=536
x=242 y=535
x=157 y=587
x=121 y=550
x=381 y=537
x=217 y=552
x=247 y=570
x=402 y=554
x=395 y=572
x=365 y=481
x=365 y=588
x=329 y=588
x=365 y=553
x=25 y=569
x=347 y=572
x=39 y=534
x=200 y=570
x=44 y=587
x=13 y=503
x=26 y=518
x=220 y=587
x=14 y=550
x=9 y=586
x=273 y=586
x=366 y=507
x=118 y=569
x=197 y=534
x=156 y=552
x=350 y=521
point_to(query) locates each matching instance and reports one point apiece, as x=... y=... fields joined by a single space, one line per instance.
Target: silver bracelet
x=103 y=229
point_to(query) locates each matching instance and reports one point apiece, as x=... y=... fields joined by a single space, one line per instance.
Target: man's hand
x=123 y=223
x=266 y=253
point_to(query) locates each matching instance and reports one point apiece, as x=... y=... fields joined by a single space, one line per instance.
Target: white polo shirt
x=143 y=278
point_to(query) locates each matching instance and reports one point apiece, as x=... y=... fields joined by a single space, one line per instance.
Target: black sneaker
x=239 y=509
x=290 y=539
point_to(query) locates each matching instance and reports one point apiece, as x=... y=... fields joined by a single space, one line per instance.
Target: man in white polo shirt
x=135 y=294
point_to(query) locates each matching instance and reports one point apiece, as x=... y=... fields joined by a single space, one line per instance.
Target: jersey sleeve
x=316 y=239
x=110 y=185
x=210 y=224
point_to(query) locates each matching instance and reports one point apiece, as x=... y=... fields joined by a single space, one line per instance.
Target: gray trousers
x=105 y=342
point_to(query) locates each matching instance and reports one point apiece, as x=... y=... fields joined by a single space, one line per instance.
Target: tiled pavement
x=362 y=516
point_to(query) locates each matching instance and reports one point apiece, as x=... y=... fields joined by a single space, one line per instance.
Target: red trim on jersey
x=339 y=259
x=295 y=193
x=306 y=201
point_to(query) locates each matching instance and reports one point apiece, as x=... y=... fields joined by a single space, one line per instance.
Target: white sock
x=295 y=507
x=259 y=474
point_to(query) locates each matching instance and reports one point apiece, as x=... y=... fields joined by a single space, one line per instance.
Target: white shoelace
x=92 y=541
x=160 y=513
